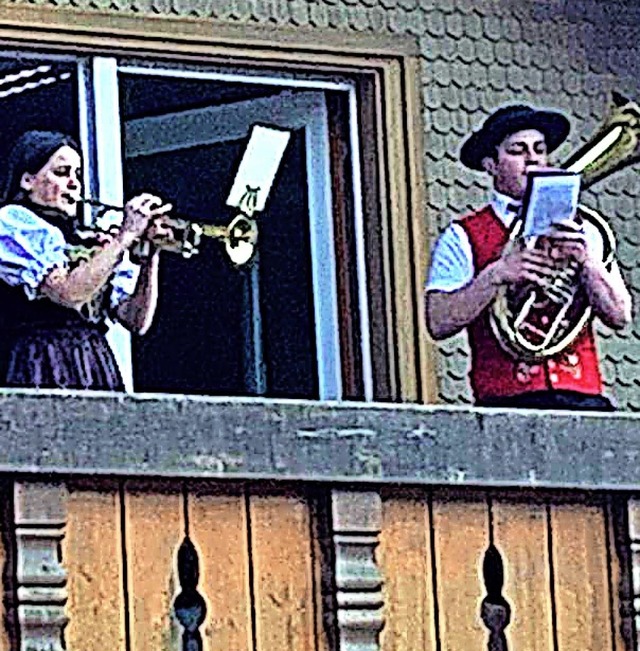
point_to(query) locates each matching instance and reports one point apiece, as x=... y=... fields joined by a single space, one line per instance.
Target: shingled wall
x=476 y=54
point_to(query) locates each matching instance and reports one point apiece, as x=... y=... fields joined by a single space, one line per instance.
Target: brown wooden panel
x=4 y=634
x=283 y=573
x=8 y=624
x=322 y=548
x=579 y=547
x=154 y=531
x=461 y=539
x=620 y=579
x=520 y=534
x=92 y=554
x=400 y=235
x=414 y=134
x=404 y=557
x=379 y=264
x=345 y=245
x=218 y=528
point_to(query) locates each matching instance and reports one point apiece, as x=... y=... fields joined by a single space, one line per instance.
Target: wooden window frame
x=392 y=154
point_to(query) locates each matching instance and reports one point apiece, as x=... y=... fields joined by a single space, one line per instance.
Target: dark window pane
x=36 y=94
x=200 y=341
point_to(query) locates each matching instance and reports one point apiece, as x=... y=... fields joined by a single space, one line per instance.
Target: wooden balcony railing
x=176 y=523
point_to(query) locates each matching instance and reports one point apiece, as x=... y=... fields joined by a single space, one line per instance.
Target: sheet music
x=259 y=166
x=550 y=198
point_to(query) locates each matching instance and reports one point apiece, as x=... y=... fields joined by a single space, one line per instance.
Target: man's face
x=516 y=156
x=57 y=184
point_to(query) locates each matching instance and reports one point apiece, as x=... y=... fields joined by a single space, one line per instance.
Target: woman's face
x=57 y=184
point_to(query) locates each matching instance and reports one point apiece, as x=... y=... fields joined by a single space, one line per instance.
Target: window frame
x=390 y=130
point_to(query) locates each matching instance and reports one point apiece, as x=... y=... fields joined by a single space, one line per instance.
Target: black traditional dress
x=43 y=344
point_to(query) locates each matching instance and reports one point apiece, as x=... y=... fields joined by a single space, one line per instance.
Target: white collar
x=503 y=207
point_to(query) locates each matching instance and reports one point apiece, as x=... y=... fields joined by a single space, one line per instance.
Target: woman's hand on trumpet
x=161 y=229
x=140 y=214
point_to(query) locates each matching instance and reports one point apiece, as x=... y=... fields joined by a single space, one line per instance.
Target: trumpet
x=179 y=234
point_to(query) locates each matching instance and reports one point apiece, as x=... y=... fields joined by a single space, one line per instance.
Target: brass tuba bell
x=533 y=322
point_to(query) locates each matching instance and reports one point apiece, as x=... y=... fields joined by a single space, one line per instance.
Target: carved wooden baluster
x=633 y=611
x=357 y=521
x=189 y=606
x=40 y=520
x=495 y=611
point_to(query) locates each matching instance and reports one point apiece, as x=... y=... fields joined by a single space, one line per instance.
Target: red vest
x=494 y=373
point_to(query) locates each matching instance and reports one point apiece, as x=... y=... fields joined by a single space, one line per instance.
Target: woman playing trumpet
x=55 y=308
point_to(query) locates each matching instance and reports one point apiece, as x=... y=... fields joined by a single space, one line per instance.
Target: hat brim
x=482 y=143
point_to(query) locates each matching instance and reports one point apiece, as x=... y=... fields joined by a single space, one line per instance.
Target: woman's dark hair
x=30 y=153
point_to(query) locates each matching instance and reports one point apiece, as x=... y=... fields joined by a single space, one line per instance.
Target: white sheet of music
x=550 y=198
x=259 y=165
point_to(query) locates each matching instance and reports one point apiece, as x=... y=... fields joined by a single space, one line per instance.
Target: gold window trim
x=393 y=63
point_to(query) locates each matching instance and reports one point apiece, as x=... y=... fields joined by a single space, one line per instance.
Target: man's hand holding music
x=567 y=243
x=522 y=266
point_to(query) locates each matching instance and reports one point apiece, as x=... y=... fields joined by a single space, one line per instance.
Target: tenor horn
x=533 y=322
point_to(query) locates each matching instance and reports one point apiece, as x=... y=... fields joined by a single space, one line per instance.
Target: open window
x=329 y=308
x=270 y=328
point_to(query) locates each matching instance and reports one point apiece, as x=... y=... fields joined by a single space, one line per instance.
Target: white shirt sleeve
x=124 y=280
x=593 y=238
x=595 y=246
x=451 y=261
x=30 y=248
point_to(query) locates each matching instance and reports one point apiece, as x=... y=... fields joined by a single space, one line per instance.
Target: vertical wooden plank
x=344 y=244
x=579 y=549
x=461 y=539
x=520 y=534
x=8 y=624
x=5 y=644
x=376 y=237
x=218 y=528
x=154 y=530
x=283 y=575
x=619 y=575
x=92 y=553
x=629 y=538
x=384 y=237
x=405 y=560
x=403 y=290
x=414 y=134
x=322 y=578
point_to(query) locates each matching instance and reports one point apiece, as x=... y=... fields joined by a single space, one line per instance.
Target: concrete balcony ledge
x=86 y=433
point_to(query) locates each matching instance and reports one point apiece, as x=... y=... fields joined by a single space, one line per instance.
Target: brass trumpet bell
x=239 y=238
x=183 y=236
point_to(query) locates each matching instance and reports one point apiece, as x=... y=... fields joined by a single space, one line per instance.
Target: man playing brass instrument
x=471 y=262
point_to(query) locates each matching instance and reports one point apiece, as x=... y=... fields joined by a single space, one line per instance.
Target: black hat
x=508 y=120
x=30 y=153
